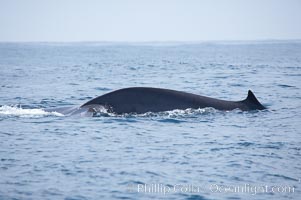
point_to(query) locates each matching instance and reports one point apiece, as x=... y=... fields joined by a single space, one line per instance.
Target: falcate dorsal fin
x=251 y=99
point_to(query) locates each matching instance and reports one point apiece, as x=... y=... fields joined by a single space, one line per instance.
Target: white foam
x=176 y=113
x=20 y=112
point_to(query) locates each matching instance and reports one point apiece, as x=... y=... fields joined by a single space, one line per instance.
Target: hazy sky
x=149 y=20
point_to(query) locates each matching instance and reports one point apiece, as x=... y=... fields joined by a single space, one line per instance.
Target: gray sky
x=149 y=20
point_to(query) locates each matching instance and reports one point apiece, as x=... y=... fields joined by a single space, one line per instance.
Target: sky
x=149 y=20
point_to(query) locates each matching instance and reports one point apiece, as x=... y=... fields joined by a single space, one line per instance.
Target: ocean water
x=190 y=154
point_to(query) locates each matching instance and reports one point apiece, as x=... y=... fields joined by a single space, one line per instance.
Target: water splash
x=177 y=113
x=18 y=111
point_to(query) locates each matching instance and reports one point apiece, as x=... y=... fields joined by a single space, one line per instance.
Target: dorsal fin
x=253 y=101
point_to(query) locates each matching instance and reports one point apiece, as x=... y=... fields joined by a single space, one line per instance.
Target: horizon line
x=150 y=41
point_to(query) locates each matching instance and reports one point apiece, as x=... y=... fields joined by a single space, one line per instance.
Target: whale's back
x=141 y=100
x=145 y=99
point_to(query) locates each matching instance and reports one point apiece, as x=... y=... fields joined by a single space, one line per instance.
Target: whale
x=147 y=99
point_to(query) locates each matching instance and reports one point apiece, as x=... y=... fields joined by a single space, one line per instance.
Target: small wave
x=286 y=86
x=21 y=112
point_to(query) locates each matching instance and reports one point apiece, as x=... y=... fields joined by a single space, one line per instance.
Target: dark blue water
x=191 y=154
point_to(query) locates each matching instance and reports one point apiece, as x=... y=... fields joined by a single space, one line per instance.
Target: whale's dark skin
x=146 y=99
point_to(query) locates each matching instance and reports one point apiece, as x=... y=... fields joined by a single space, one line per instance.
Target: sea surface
x=180 y=154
